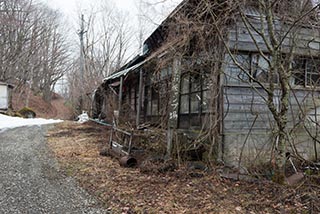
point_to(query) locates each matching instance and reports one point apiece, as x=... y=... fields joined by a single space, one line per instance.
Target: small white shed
x=5 y=90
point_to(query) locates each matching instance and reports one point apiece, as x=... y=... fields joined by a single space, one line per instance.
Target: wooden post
x=174 y=104
x=140 y=98
x=120 y=94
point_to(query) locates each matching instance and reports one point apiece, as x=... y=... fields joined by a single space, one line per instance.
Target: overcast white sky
x=71 y=8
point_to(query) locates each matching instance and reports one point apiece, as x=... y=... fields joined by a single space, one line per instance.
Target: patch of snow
x=84 y=117
x=7 y=122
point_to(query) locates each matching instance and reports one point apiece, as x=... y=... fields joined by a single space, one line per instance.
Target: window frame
x=154 y=89
x=233 y=75
x=303 y=72
x=187 y=95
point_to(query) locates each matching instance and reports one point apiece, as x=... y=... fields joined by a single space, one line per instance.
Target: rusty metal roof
x=124 y=72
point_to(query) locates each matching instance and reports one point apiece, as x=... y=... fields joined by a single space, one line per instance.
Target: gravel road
x=30 y=181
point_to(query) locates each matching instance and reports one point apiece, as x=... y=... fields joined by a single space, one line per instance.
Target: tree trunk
x=280 y=159
x=282 y=122
x=47 y=94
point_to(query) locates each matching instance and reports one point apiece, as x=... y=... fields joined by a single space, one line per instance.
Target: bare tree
x=53 y=54
x=33 y=52
x=106 y=44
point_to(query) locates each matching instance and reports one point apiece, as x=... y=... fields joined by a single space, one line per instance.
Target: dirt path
x=30 y=181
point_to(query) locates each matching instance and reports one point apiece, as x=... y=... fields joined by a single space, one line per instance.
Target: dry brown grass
x=125 y=190
x=55 y=109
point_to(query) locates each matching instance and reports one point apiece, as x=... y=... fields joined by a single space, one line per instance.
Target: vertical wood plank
x=174 y=103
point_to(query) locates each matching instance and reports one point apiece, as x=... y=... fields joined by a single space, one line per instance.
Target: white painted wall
x=4 y=96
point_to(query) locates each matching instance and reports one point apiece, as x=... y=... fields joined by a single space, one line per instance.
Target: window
x=306 y=71
x=233 y=73
x=205 y=100
x=161 y=75
x=184 y=104
x=165 y=73
x=132 y=96
x=190 y=99
x=260 y=68
x=184 y=98
x=193 y=99
x=148 y=100
x=206 y=82
x=156 y=91
x=154 y=103
x=152 y=98
x=254 y=64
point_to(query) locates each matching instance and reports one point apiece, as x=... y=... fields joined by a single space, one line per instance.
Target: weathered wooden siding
x=303 y=118
x=306 y=40
x=248 y=121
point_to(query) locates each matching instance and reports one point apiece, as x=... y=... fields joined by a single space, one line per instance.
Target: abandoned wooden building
x=205 y=74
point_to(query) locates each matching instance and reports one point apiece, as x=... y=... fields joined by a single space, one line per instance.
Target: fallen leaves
x=125 y=190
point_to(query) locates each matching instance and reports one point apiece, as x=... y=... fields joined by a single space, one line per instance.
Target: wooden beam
x=120 y=94
x=139 y=97
x=174 y=104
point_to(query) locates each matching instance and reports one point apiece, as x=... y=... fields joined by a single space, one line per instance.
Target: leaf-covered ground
x=124 y=190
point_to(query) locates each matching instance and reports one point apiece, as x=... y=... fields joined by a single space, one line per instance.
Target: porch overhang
x=124 y=72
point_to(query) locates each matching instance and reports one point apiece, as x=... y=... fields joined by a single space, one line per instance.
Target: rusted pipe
x=128 y=161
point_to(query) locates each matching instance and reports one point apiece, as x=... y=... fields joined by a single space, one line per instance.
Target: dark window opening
x=306 y=71
x=152 y=98
x=157 y=93
x=132 y=97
